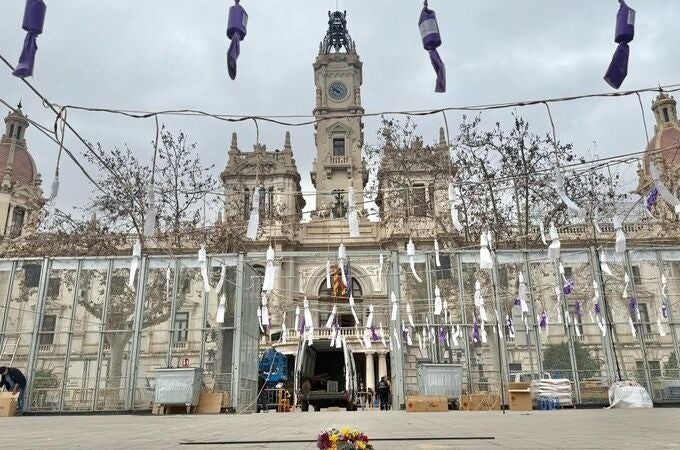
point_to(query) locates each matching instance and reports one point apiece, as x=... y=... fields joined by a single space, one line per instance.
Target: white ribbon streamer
x=666 y=194
x=482 y=330
x=410 y=316
x=151 y=212
x=380 y=271
x=269 y=271
x=555 y=245
x=342 y=256
x=203 y=259
x=604 y=266
x=254 y=220
x=221 y=309
x=437 y=301
x=632 y=327
x=455 y=334
x=382 y=335
x=523 y=295
x=411 y=253
x=561 y=191
x=369 y=320
x=331 y=318
x=393 y=299
x=134 y=263
x=309 y=322
x=626 y=283
x=223 y=276
x=436 y=254
x=284 y=330
x=662 y=331
x=328 y=275
x=396 y=338
x=542 y=228
x=454 y=211
x=297 y=320
x=265 y=310
x=259 y=319
x=352 y=215
x=620 y=246
x=485 y=260
x=351 y=307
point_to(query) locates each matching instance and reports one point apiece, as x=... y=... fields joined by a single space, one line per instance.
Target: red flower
x=323 y=441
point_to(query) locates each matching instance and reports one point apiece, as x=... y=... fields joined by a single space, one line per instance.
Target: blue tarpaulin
x=273 y=367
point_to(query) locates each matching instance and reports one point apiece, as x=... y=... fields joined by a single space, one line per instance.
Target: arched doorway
x=338 y=294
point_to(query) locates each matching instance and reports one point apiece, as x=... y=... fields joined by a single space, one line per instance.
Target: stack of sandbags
x=559 y=388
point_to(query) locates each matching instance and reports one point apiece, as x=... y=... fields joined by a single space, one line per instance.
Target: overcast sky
x=170 y=54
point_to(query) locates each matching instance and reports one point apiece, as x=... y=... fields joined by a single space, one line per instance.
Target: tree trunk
x=117 y=342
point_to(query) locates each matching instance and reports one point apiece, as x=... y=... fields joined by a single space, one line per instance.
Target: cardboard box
x=515 y=386
x=421 y=403
x=483 y=401
x=210 y=402
x=520 y=400
x=8 y=404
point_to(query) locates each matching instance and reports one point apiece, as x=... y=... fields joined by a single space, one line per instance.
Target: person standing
x=14 y=381
x=383 y=393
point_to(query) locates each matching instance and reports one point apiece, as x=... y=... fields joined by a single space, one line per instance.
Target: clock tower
x=339 y=133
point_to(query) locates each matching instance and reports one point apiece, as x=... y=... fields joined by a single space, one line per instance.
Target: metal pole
x=102 y=335
x=534 y=314
x=570 y=335
x=37 y=326
x=396 y=355
x=434 y=348
x=669 y=310
x=640 y=329
x=500 y=342
x=238 y=329
x=137 y=336
x=173 y=311
x=8 y=300
x=69 y=343
x=607 y=343
x=465 y=338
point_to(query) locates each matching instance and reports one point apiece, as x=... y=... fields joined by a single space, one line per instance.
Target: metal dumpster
x=441 y=380
x=180 y=387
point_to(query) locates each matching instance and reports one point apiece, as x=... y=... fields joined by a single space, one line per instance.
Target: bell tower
x=339 y=133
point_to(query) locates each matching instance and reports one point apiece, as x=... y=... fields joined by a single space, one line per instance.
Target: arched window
x=340 y=297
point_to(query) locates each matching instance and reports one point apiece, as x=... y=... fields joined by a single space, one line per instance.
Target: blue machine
x=273 y=367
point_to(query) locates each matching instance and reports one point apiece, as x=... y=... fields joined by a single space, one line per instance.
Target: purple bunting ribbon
x=625 y=32
x=236 y=31
x=517 y=302
x=568 y=287
x=429 y=32
x=650 y=202
x=374 y=335
x=442 y=335
x=475 y=331
x=34 y=20
x=302 y=325
x=664 y=310
x=543 y=323
x=633 y=305
x=577 y=307
x=598 y=309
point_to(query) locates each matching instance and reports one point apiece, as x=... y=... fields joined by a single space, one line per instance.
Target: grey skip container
x=443 y=380
x=179 y=387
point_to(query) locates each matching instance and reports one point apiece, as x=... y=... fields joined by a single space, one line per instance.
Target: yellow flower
x=345 y=431
x=361 y=445
x=333 y=438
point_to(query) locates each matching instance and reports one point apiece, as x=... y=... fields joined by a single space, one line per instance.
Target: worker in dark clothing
x=13 y=381
x=383 y=393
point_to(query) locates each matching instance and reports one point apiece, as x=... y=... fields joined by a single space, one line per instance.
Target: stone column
x=382 y=365
x=370 y=372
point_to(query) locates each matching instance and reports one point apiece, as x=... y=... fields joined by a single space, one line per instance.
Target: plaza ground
x=567 y=429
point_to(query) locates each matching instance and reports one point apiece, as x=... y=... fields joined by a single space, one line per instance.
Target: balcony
x=338 y=161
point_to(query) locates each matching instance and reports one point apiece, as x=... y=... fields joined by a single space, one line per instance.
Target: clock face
x=337 y=91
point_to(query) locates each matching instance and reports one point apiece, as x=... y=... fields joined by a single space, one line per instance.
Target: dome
x=15 y=160
x=667 y=132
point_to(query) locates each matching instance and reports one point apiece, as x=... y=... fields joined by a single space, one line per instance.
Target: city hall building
x=87 y=341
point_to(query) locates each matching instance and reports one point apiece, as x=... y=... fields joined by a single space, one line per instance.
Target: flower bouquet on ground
x=343 y=439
